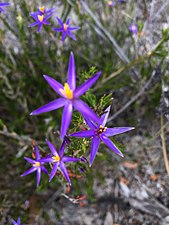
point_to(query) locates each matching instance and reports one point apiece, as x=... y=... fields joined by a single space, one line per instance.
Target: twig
x=164 y=146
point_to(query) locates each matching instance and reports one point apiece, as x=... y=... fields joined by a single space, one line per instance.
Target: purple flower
x=43 y=11
x=133 y=28
x=100 y=133
x=66 y=29
x=111 y=3
x=2 y=5
x=40 y=20
x=69 y=97
x=36 y=166
x=16 y=223
x=57 y=159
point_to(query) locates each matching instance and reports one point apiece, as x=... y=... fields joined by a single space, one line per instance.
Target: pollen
x=40 y=18
x=42 y=9
x=56 y=158
x=37 y=164
x=101 y=129
x=67 y=91
x=65 y=26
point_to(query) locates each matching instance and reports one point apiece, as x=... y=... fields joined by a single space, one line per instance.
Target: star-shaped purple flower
x=2 y=5
x=69 y=97
x=66 y=29
x=133 y=28
x=43 y=11
x=40 y=20
x=57 y=159
x=36 y=166
x=16 y=223
x=100 y=133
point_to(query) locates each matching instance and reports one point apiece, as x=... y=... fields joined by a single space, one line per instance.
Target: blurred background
x=135 y=74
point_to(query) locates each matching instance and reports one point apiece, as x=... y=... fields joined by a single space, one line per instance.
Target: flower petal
x=69 y=159
x=71 y=75
x=44 y=170
x=52 y=148
x=4 y=4
x=54 y=84
x=47 y=159
x=33 y=24
x=74 y=28
x=19 y=220
x=63 y=36
x=83 y=134
x=39 y=27
x=58 y=103
x=30 y=160
x=85 y=110
x=66 y=118
x=116 y=130
x=68 y=21
x=111 y=145
x=85 y=86
x=71 y=35
x=38 y=177
x=54 y=170
x=104 y=117
x=64 y=170
x=94 y=148
x=31 y=170
x=90 y=123
x=58 y=29
x=37 y=152
x=13 y=221
x=62 y=148
x=59 y=21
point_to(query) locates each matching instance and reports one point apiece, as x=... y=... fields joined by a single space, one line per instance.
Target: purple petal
x=58 y=103
x=38 y=177
x=74 y=28
x=53 y=172
x=4 y=4
x=58 y=29
x=66 y=118
x=71 y=75
x=69 y=159
x=94 y=148
x=68 y=21
x=44 y=170
x=64 y=170
x=48 y=16
x=63 y=36
x=13 y=221
x=59 y=21
x=39 y=27
x=85 y=110
x=62 y=148
x=54 y=84
x=85 y=86
x=47 y=159
x=19 y=220
x=31 y=170
x=71 y=35
x=83 y=134
x=116 y=130
x=104 y=117
x=90 y=123
x=30 y=160
x=33 y=24
x=37 y=152
x=111 y=145
x=46 y=23
x=52 y=148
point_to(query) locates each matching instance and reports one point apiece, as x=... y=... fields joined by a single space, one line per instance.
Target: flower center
x=40 y=18
x=101 y=129
x=67 y=91
x=65 y=26
x=56 y=158
x=42 y=9
x=37 y=164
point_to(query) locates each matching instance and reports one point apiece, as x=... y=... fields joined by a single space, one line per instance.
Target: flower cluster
x=41 y=17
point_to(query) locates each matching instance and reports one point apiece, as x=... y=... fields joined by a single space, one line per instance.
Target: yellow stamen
x=37 y=164
x=65 y=26
x=101 y=129
x=42 y=9
x=67 y=91
x=40 y=18
x=56 y=158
